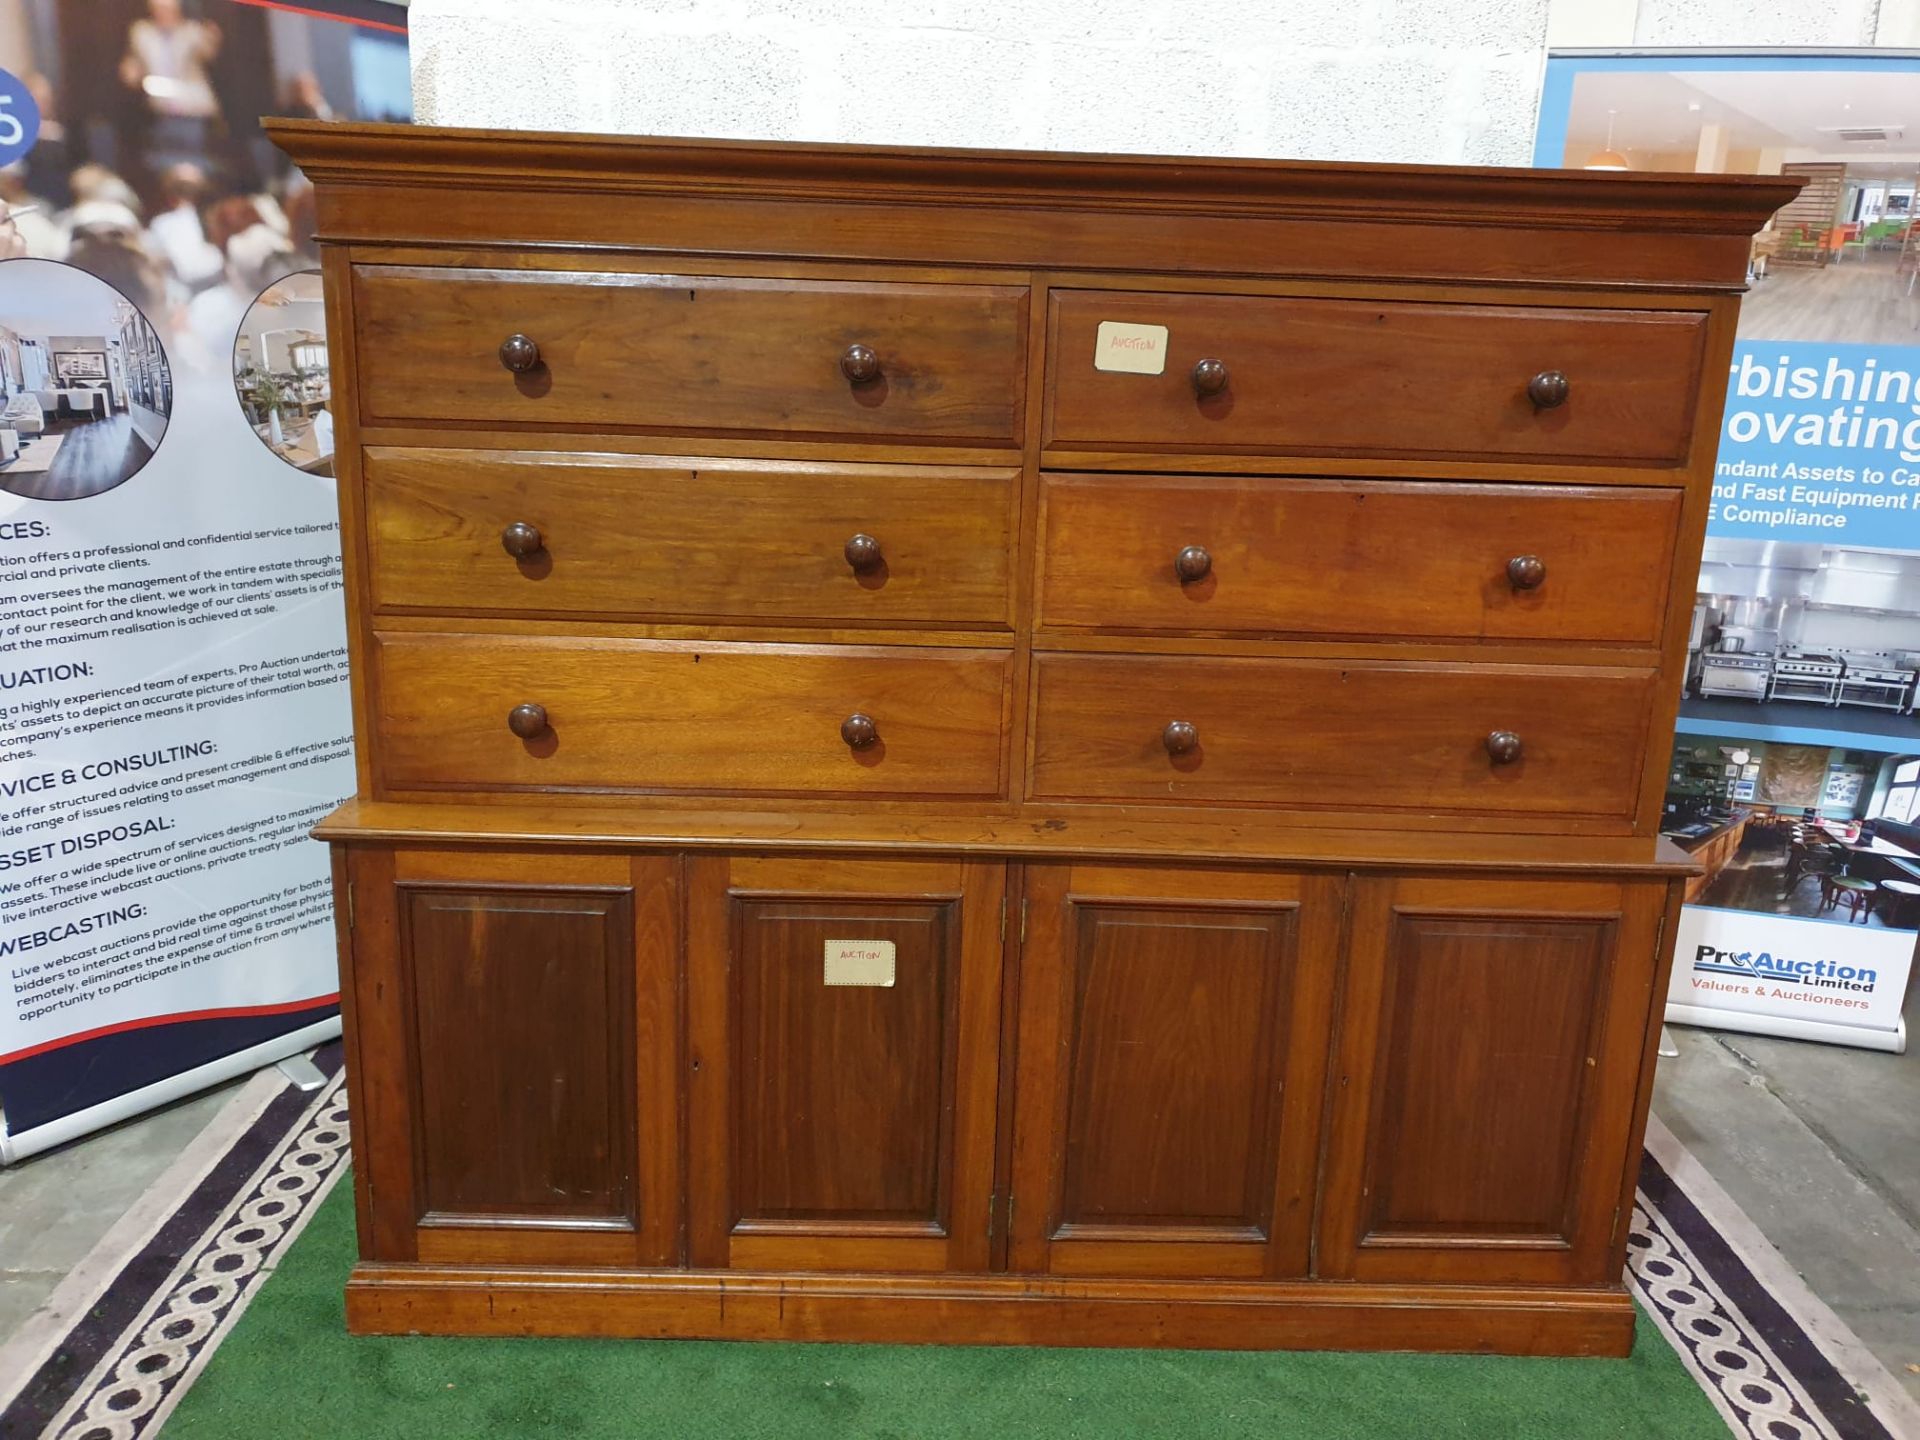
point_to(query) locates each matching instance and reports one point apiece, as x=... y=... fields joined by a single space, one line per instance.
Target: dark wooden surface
x=517 y=1070
x=1173 y=1039
x=1106 y=832
x=1485 y=1079
x=1255 y=766
x=681 y=716
x=384 y=184
x=842 y=1126
x=636 y=538
x=663 y=352
x=1305 y=733
x=1313 y=376
x=520 y=1000
x=1360 y=558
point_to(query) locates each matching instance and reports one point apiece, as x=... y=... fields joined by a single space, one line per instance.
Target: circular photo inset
x=280 y=372
x=86 y=385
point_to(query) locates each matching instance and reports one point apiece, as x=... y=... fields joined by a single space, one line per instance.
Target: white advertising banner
x=174 y=712
x=1788 y=976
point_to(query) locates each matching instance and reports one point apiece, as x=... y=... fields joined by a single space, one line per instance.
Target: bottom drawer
x=512 y=712
x=1345 y=735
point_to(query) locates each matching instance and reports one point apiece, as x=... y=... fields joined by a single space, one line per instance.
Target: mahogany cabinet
x=1007 y=748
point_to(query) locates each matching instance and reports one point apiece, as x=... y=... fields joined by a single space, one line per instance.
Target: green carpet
x=290 y=1371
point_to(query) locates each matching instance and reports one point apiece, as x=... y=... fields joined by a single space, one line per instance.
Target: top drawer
x=1354 y=377
x=690 y=353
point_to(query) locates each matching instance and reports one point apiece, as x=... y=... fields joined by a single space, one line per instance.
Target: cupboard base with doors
x=1009 y=748
x=972 y=1097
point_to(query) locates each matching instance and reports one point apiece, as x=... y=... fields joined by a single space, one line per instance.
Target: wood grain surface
x=1319 y=376
x=631 y=715
x=1361 y=558
x=694 y=539
x=690 y=352
x=1305 y=733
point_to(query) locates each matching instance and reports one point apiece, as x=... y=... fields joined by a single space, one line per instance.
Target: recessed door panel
x=518 y=999
x=1173 y=1030
x=840 y=1106
x=1485 y=1131
x=1175 y=1065
x=516 y=1071
x=844 y=1018
x=1491 y=1038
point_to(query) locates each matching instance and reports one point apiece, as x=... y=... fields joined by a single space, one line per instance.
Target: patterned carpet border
x=122 y=1367
x=1755 y=1359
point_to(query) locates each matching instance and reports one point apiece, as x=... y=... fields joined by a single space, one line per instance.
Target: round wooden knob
x=527 y=721
x=521 y=540
x=1179 y=737
x=519 y=354
x=1192 y=563
x=863 y=552
x=1526 y=572
x=860 y=364
x=1503 y=747
x=1548 y=389
x=859 y=731
x=1209 y=377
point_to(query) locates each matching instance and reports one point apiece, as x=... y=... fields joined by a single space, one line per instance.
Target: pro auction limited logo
x=1767 y=967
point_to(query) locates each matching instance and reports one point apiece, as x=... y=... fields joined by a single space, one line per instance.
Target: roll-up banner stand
x=173 y=700
x=1795 y=776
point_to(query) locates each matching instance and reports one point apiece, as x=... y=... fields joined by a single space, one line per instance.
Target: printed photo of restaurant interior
x=280 y=372
x=1818 y=831
x=1837 y=264
x=84 y=387
x=1806 y=636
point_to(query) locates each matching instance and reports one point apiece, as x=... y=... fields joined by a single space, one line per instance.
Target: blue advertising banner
x=1795 y=775
x=173 y=698
x=1821 y=443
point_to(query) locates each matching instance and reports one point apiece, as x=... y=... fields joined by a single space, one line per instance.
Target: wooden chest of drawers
x=1009 y=748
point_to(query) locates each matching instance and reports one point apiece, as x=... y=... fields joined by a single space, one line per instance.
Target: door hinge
x=1023 y=921
x=349 y=905
x=1003 y=919
x=1613 y=1235
x=1009 y=1215
x=993 y=1213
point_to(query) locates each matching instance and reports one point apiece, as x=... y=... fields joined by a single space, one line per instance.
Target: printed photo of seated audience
x=1810 y=830
x=280 y=373
x=85 y=383
x=151 y=169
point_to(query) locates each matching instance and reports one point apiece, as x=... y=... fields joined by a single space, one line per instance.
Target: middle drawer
x=647 y=537
x=1443 y=561
x=478 y=712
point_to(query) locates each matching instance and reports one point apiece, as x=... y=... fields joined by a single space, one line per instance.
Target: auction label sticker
x=859 y=962
x=1130 y=349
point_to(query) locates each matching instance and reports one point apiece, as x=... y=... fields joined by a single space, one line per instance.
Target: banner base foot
x=1892 y=1041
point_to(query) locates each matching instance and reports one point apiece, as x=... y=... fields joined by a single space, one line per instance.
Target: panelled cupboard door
x=515 y=1023
x=1483 y=1093
x=1172 y=1047
x=843 y=1018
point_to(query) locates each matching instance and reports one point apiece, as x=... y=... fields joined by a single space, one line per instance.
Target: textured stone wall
x=1415 y=80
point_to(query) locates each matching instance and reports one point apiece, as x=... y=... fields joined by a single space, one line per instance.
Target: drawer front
x=650 y=538
x=1376 y=558
x=1331 y=735
x=673 y=716
x=690 y=352
x=1366 y=378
